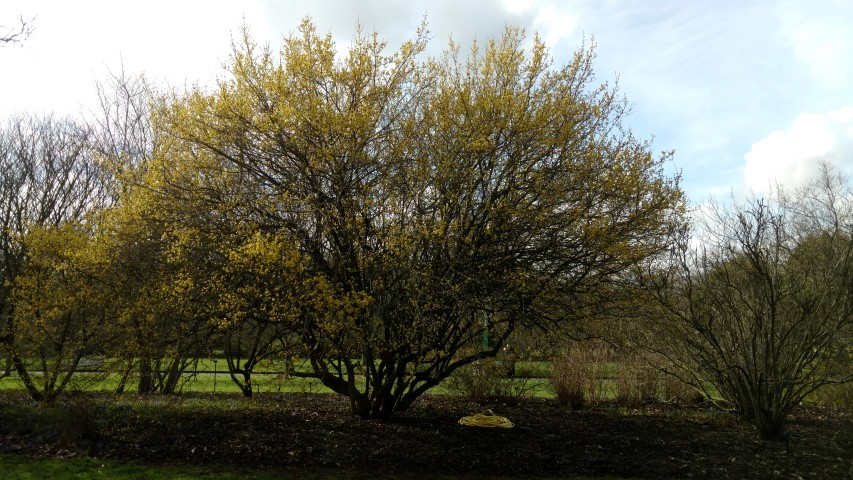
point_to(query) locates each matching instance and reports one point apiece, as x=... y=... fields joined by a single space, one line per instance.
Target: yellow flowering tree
x=158 y=286
x=49 y=184
x=424 y=201
x=60 y=317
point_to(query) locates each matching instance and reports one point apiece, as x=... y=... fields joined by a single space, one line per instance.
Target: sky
x=749 y=94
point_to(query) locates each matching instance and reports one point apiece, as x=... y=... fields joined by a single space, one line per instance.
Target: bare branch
x=19 y=34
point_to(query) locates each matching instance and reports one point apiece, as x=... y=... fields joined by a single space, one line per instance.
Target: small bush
x=489 y=380
x=578 y=373
x=636 y=382
x=77 y=421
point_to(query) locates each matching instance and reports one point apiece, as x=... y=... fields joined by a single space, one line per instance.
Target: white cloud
x=791 y=157
x=706 y=78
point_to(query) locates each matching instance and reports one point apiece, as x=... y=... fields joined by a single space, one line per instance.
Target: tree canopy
x=397 y=207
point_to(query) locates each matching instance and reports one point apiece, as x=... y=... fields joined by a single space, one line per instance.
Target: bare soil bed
x=315 y=431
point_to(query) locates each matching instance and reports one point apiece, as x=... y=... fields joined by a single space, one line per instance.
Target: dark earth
x=308 y=432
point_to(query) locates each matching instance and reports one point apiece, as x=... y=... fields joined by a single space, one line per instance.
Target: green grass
x=267 y=366
x=533 y=369
x=204 y=383
x=20 y=467
x=27 y=468
x=201 y=379
x=200 y=383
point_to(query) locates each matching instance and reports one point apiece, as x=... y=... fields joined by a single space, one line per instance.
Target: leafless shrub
x=578 y=373
x=637 y=382
x=760 y=308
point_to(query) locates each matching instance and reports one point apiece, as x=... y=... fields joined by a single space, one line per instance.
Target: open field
x=309 y=433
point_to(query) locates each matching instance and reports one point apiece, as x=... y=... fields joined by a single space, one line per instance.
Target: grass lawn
x=204 y=383
x=198 y=383
x=22 y=467
x=530 y=376
x=25 y=468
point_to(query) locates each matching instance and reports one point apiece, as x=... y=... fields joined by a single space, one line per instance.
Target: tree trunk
x=770 y=428
x=146 y=384
x=245 y=384
x=124 y=377
x=32 y=390
x=173 y=376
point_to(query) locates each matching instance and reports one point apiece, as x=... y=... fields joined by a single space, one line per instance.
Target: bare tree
x=16 y=34
x=121 y=126
x=757 y=311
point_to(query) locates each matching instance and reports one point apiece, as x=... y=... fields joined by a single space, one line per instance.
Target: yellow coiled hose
x=486 y=419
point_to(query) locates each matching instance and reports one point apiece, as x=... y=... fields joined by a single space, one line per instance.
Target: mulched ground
x=311 y=431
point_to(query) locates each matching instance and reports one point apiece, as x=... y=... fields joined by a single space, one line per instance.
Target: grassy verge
x=31 y=468
x=21 y=467
x=25 y=467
